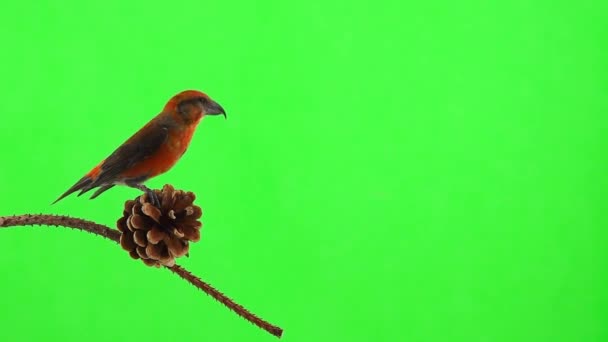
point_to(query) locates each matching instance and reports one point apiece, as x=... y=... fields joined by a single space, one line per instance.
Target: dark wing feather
x=135 y=150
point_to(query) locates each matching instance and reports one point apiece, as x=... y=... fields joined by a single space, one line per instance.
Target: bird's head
x=192 y=105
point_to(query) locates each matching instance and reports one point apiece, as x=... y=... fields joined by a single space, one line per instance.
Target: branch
x=220 y=297
x=114 y=235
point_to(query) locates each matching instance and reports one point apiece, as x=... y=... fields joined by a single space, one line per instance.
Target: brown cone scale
x=160 y=235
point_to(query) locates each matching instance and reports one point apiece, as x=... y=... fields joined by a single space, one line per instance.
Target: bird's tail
x=82 y=184
x=85 y=184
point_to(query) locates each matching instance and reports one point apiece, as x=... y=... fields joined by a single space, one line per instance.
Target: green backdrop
x=388 y=171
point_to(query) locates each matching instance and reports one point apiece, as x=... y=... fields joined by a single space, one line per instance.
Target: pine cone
x=159 y=235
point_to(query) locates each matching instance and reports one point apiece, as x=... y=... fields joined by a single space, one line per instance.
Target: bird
x=153 y=149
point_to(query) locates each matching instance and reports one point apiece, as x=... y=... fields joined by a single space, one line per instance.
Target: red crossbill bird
x=152 y=150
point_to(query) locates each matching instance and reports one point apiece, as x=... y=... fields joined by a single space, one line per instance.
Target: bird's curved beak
x=214 y=108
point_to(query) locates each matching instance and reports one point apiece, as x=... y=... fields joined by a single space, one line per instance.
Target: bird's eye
x=182 y=108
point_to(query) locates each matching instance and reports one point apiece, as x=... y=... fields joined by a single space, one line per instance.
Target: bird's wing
x=138 y=148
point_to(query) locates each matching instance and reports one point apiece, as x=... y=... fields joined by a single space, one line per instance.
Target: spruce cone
x=158 y=236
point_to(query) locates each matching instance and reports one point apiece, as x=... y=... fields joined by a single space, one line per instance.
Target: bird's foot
x=153 y=198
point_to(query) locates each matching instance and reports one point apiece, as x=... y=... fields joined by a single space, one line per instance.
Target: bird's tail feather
x=84 y=184
x=101 y=190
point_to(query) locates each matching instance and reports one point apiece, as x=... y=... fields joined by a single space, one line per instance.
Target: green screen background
x=388 y=171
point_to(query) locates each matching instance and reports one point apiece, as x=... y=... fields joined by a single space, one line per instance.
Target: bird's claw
x=153 y=198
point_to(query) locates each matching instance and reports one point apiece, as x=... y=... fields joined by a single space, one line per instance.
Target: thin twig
x=58 y=220
x=220 y=297
x=114 y=235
